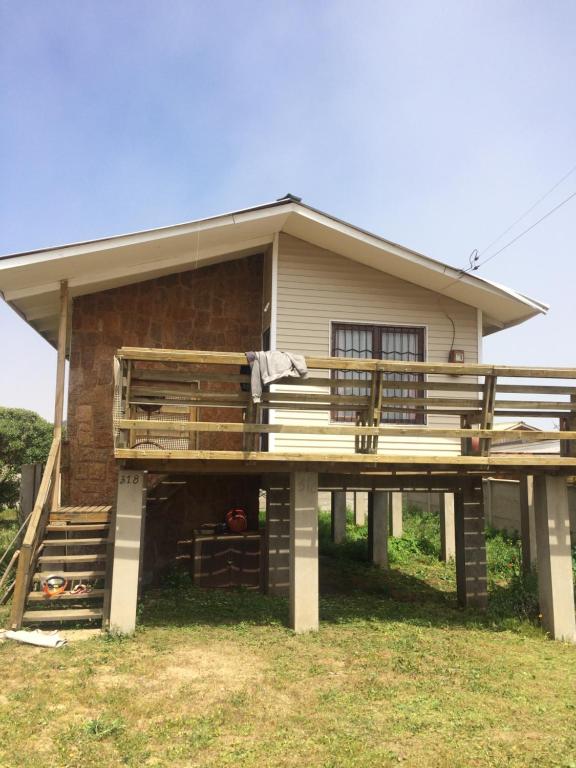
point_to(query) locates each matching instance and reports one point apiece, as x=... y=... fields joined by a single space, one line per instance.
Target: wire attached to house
x=475 y=263
x=528 y=210
x=524 y=232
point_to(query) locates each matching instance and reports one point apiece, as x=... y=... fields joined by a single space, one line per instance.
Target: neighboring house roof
x=29 y=281
x=504 y=426
x=542 y=446
x=518 y=445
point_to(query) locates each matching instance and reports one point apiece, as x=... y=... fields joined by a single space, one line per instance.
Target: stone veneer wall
x=215 y=308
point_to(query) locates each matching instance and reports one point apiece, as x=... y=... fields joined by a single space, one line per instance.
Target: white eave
x=30 y=281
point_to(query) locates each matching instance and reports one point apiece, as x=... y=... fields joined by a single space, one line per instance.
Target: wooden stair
x=75 y=546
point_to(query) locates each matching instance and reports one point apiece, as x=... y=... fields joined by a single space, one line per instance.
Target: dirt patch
x=208 y=672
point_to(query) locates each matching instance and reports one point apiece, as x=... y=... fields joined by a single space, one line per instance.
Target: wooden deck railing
x=34 y=534
x=166 y=398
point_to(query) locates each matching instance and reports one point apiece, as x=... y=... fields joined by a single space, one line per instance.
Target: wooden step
x=74 y=542
x=99 y=514
x=70 y=614
x=90 y=558
x=60 y=527
x=40 y=597
x=71 y=575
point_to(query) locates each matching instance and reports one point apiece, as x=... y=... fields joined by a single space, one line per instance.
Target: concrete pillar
x=378 y=513
x=304 y=610
x=396 y=515
x=527 y=523
x=338 y=517
x=350 y=503
x=447 y=532
x=471 y=573
x=360 y=507
x=130 y=510
x=277 y=535
x=487 y=500
x=555 y=581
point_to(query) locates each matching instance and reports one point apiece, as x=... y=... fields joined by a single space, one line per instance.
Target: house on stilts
x=164 y=436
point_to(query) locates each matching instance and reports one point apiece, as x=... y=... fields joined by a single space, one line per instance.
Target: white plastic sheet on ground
x=35 y=637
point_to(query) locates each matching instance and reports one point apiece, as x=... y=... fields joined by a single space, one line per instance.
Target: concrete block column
x=378 y=513
x=555 y=581
x=130 y=511
x=304 y=609
x=338 y=516
x=447 y=531
x=277 y=536
x=527 y=523
x=471 y=572
x=360 y=507
x=396 y=515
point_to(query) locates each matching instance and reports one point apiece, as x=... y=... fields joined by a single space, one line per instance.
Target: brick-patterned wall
x=216 y=308
x=204 y=499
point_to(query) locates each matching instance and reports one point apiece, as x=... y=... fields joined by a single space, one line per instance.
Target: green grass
x=397 y=675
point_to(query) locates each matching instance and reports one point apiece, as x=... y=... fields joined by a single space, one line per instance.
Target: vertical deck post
x=527 y=523
x=447 y=533
x=555 y=581
x=278 y=535
x=338 y=514
x=471 y=572
x=60 y=376
x=360 y=507
x=396 y=515
x=304 y=609
x=378 y=514
x=130 y=509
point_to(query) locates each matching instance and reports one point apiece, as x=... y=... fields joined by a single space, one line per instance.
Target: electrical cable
x=529 y=210
x=477 y=264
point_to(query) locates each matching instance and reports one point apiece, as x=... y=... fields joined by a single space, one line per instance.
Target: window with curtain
x=380 y=342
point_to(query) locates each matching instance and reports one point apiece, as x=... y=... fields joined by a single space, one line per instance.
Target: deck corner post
x=360 y=508
x=555 y=580
x=338 y=516
x=396 y=515
x=277 y=535
x=447 y=532
x=378 y=514
x=304 y=589
x=471 y=569
x=527 y=523
x=130 y=511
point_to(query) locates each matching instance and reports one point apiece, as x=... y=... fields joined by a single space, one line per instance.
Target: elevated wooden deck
x=168 y=400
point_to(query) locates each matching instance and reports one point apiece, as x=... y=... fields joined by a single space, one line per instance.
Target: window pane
x=386 y=343
x=358 y=342
x=404 y=344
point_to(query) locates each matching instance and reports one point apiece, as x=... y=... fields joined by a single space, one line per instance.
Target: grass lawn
x=396 y=675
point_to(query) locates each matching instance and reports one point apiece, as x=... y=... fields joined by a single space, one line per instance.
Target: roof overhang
x=30 y=282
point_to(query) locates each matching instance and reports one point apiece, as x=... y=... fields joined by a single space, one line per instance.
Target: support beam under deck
x=304 y=590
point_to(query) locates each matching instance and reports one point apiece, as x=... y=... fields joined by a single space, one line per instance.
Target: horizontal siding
x=316 y=287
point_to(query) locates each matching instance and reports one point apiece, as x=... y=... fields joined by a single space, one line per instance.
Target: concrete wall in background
x=501 y=501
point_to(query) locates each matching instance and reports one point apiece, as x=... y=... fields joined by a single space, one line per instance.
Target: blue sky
x=433 y=124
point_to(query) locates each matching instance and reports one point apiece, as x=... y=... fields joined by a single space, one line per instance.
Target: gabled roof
x=29 y=281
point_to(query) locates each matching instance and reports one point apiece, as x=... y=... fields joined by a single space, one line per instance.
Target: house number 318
x=129 y=479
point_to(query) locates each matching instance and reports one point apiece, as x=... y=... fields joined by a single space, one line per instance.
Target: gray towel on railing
x=271 y=366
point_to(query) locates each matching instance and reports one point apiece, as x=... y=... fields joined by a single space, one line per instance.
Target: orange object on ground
x=54 y=585
x=237 y=519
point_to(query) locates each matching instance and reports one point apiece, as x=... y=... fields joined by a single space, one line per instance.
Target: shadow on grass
x=350 y=592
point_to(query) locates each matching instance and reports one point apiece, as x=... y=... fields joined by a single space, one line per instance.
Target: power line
x=546 y=215
x=529 y=210
x=475 y=264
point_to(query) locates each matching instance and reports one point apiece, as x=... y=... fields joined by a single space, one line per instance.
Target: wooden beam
x=60 y=377
x=343 y=363
x=488 y=397
x=256 y=457
x=185 y=427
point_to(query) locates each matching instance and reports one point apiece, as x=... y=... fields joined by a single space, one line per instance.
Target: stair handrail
x=34 y=532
